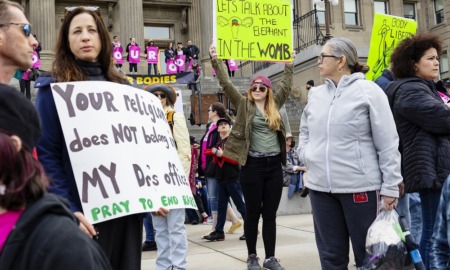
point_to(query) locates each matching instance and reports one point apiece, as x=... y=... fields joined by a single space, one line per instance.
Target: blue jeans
x=416 y=216
x=213 y=193
x=429 y=202
x=155 y=67
x=171 y=240
x=227 y=190
x=148 y=225
x=203 y=193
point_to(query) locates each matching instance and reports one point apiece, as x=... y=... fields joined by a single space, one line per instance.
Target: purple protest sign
x=118 y=54
x=191 y=62
x=35 y=60
x=180 y=61
x=232 y=65
x=171 y=68
x=152 y=55
x=134 y=54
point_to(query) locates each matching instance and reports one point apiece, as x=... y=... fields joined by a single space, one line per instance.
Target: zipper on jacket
x=327 y=159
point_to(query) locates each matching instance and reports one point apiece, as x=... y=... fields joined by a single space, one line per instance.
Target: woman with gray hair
x=349 y=144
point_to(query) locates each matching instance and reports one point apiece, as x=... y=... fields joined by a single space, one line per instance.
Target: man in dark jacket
x=193 y=51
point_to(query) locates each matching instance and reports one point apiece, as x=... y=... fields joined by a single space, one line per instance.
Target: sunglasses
x=162 y=95
x=95 y=9
x=261 y=88
x=25 y=27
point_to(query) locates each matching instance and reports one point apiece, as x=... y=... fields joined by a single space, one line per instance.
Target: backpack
x=170 y=120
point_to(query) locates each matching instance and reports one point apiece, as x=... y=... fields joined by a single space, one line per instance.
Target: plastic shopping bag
x=385 y=249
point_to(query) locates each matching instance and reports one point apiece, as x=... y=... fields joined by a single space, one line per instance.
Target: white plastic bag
x=385 y=249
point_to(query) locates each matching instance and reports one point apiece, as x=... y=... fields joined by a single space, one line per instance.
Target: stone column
x=131 y=25
x=43 y=20
x=206 y=27
x=194 y=33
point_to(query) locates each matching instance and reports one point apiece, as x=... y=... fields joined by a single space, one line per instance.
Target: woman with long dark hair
x=83 y=53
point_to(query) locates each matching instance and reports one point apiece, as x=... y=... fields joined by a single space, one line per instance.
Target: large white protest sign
x=121 y=148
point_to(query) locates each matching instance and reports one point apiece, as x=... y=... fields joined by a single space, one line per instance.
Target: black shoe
x=242 y=237
x=194 y=222
x=304 y=192
x=215 y=236
x=149 y=246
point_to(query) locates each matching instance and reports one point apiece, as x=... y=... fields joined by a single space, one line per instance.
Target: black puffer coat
x=423 y=125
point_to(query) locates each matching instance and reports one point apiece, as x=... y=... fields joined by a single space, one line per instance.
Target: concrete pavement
x=296 y=247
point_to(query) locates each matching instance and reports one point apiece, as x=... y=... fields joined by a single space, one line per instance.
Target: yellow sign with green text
x=387 y=32
x=259 y=30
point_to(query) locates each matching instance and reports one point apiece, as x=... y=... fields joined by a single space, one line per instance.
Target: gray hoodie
x=348 y=139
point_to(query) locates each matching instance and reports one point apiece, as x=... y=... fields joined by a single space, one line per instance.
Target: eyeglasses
x=322 y=56
x=26 y=27
x=162 y=95
x=261 y=88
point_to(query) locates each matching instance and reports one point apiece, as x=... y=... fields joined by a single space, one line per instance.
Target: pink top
x=7 y=222
x=444 y=97
x=204 y=142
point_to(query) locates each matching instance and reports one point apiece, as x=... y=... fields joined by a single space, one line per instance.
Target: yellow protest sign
x=259 y=30
x=387 y=32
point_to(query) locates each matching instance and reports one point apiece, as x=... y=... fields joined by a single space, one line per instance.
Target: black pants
x=25 y=88
x=155 y=68
x=262 y=184
x=121 y=239
x=133 y=67
x=338 y=217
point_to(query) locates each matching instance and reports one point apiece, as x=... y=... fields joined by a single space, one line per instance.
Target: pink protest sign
x=134 y=54
x=171 y=68
x=35 y=60
x=152 y=55
x=191 y=62
x=180 y=61
x=232 y=65
x=118 y=54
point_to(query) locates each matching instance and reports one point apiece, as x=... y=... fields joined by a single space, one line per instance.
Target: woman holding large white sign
x=83 y=53
x=257 y=141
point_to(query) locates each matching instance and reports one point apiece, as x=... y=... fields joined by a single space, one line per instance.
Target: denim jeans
x=148 y=225
x=213 y=193
x=203 y=193
x=429 y=202
x=171 y=240
x=226 y=190
x=155 y=68
x=416 y=216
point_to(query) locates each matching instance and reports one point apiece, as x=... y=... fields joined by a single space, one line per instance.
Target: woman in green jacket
x=257 y=142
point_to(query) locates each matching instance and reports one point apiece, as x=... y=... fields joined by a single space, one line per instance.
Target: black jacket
x=47 y=237
x=193 y=51
x=423 y=125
